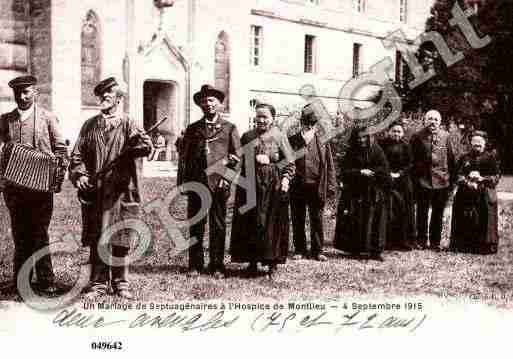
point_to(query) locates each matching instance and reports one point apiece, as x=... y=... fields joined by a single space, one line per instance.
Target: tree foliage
x=478 y=83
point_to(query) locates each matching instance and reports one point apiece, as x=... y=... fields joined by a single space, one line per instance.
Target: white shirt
x=308 y=135
x=213 y=121
x=24 y=114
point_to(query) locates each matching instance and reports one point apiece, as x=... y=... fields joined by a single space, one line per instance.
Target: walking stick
x=87 y=197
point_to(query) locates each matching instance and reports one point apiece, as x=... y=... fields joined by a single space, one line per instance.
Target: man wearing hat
x=107 y=138
x=206 y=142
x=31 y=211
x=313 y=184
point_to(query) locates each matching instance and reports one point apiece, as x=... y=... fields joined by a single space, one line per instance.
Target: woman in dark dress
x=475 y=212
x=362 y=211
x=261 y=234
x=400 y=227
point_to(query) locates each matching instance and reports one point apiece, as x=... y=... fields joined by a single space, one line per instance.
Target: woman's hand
x=285 y=184
x=367 y=172
x=263 y=159
x=82 y=183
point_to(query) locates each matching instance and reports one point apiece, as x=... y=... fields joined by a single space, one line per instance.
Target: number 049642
x=106 y=345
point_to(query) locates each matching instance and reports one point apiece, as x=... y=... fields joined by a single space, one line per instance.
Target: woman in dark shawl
x=401 y=225
x=362 y=211
x=261 y=234
x=474 y=212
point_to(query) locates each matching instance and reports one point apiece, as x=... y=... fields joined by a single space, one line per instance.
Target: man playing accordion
x=30 y=210
x=109 y=143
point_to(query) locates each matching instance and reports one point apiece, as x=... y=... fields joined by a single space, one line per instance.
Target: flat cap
x=105 y=85
x=22 y=81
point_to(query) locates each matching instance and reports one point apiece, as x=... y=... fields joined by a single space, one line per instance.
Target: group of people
x=393 y=193
x=386 y=188
x=109 y=143
x=389 y=188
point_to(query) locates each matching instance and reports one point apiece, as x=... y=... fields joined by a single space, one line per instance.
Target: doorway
x=160 y=100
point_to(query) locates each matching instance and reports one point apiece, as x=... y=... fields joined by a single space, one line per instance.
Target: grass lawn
x=161 y=277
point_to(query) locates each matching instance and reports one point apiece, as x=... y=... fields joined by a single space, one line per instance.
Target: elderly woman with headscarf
x=401 y=224
x=475 y=213
x=260 y=232
x=362 y=211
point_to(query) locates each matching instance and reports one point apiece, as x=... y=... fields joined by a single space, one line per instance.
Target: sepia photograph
x=270 y=169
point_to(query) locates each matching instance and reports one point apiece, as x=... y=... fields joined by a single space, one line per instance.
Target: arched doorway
x=160 y=100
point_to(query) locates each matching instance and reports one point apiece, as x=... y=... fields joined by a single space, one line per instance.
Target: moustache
x=107 y=102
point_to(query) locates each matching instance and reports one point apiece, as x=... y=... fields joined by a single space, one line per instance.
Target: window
x=359 y=5
x=356 y=59
x=222 y=67
x=403 y=10
x=91 y=58
x=255 y=55
x=310 y=65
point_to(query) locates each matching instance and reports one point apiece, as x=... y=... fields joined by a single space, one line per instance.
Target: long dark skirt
x=475 y=222
x=401 y=216
x=262 y=233
x=361 y=226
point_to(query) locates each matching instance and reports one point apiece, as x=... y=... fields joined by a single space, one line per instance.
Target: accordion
x=28 y=168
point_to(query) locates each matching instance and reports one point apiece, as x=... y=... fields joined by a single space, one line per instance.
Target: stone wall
x=13 y=47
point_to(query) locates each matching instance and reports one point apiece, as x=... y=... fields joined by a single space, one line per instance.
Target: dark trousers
x=301 y=197
x=216 y=231
x=102 y=272
x=30 y=214
x=437 y=199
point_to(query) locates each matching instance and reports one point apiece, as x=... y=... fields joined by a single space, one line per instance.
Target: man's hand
x=224 y=184
x=474 y=175
x=263 y=159
x=285 y=184
x=140 y=138
x=367 y=172
x=146 y=140
x=83 y=183
x=473 y=185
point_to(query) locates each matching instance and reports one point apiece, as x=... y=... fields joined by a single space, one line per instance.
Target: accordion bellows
x=26 y=167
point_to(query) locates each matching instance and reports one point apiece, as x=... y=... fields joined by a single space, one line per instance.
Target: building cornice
x=323 y=25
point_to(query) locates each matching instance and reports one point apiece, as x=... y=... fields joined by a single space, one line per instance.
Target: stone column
x=40 y=62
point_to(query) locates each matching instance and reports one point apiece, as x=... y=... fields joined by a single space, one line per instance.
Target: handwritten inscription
x=261 y=322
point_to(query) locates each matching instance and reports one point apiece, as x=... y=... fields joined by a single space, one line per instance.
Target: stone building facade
x=265 y=50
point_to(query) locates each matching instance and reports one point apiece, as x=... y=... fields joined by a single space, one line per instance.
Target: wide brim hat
x=208 y=91
x=105 y=85
x=22 y=81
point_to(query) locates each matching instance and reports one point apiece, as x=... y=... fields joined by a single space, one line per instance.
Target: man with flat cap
x=206 y=142
x=115 y=195
x=312 y=186
x=31 y=211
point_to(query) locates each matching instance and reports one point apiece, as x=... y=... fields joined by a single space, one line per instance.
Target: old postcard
x=266 y=170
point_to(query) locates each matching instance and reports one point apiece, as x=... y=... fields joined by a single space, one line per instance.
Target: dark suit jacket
x=201 y=151
x=434 y=164
x=327 y=180
x=48 y=137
